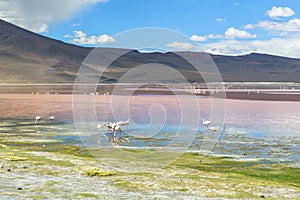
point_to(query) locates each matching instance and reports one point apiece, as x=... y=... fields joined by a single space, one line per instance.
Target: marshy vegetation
x=37 y=165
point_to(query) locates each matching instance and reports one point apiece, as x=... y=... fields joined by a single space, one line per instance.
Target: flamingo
x=111 y=127
x=206 y=122
x=119 y=124
x=51 y=118
x=118 y=128
x=38 y=119
x=122 y=123
x=99 y=128
x=213 y=128
x=115 y=127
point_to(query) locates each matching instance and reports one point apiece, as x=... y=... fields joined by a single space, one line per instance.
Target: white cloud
x=42 y=29
x=81 y=38
x=220 y=19
x=68 y=36
x=76 y=24
x=292 y=25
x=229 y=47
x=214 y=36
x=232 y=33
x=103 y=39
x=37 y=15
x=277 y=12
x=197 y=38
x=289 y=47
x=250 y=26
x=79 y=34
x=183 y=46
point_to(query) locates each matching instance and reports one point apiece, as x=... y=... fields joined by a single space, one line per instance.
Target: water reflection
x=265 y=131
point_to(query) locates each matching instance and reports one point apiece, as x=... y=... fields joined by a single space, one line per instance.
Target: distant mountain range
x=26 y=57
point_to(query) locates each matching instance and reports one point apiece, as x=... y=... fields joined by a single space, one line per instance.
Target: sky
x=227 y=27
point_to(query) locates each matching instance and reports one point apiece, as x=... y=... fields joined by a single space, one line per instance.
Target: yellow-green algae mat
x=42 y=170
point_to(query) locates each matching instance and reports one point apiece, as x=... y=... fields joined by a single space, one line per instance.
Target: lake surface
x=266 y=131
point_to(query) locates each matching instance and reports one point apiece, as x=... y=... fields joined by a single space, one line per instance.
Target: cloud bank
x=230 y=33
x=285 y=40
x=38 y=15
x=183 y=46
x=288 y=47
x=292 y=25
x=81 y=38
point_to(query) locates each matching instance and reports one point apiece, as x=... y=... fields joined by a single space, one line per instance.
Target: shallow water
x=259 y=130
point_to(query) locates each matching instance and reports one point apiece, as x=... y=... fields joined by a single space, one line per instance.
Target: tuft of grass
x=87 y=195
x=14 y=158
x=75 y=151
x=97 y=173
x=38 y=197
x=129 y=185
x=93 y=171
x=51 y=183
x=39 y=160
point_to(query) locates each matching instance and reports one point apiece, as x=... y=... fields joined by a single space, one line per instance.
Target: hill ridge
x=27 y=57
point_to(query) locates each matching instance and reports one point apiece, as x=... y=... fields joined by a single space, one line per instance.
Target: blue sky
x=229 y=27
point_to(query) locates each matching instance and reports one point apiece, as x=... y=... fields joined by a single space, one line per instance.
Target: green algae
x=130 y=186
x=37 y=196
x=206 y=175
x=92 y=171
x=87 y=195
x=272 y=172
x=97 y=173
x=13 y=157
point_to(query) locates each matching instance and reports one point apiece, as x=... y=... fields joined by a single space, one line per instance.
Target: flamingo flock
x=115 y=130
x=39 y=119
x=207 y=123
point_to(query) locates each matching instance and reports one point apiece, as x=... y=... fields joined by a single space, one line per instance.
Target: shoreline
x=239 y=92
x=263 y=96
x=228 y=95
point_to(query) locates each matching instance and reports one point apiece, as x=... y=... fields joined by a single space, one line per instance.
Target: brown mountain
x=26 y=57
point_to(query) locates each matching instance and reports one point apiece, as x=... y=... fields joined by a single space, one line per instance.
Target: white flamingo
x=122 y=123
x=115 y=127
x=213 y=128
x=99 y=128
x=111 y=127
x=38 y=119
x=51 y=118
x=206 y=122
